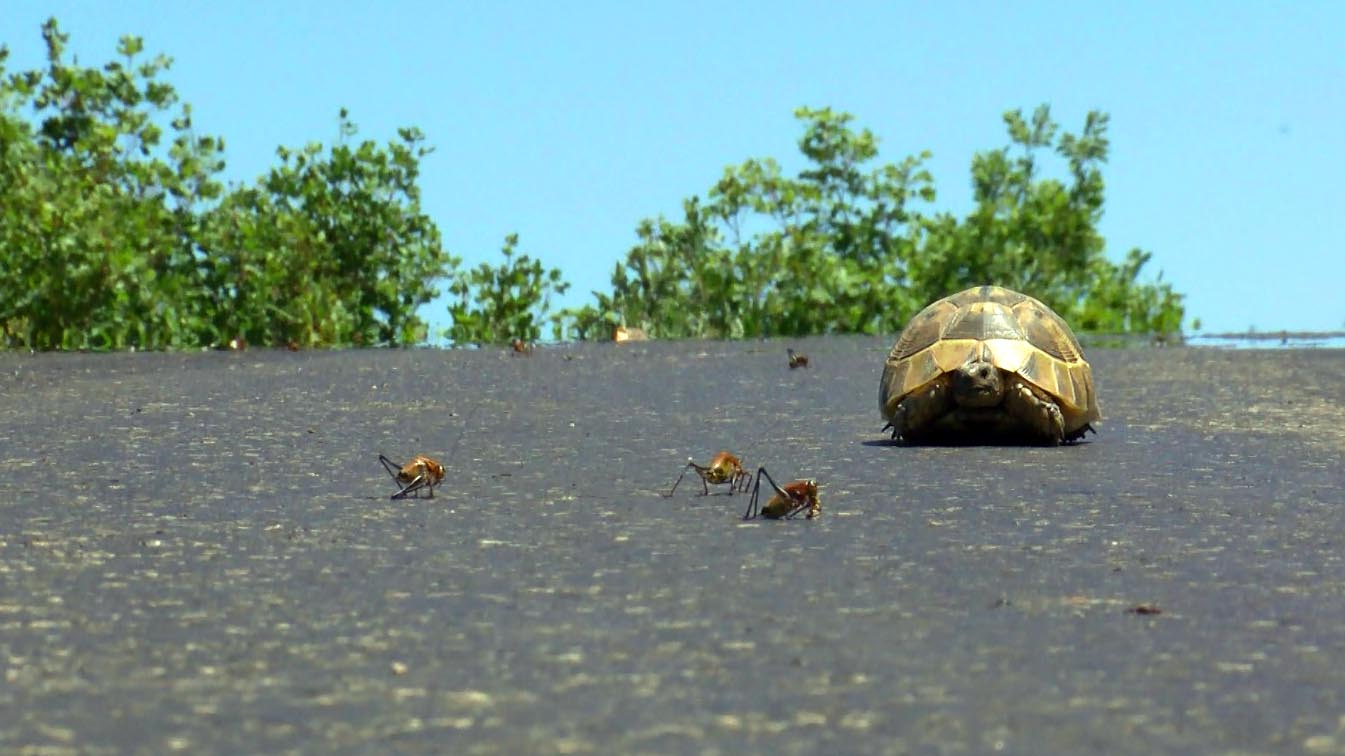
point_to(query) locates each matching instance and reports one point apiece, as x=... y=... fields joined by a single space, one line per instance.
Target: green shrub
x=839 y=249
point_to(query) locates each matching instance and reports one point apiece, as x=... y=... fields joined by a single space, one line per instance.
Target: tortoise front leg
x=1080 y=433
x=1036 y=411
x=922 y=407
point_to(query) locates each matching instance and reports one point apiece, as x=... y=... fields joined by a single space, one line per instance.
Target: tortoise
x=988 y=364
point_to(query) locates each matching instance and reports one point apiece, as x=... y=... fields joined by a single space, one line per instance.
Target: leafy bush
x=838 y=248
x=496 y=305
x=111 y=239
x=327 y=248
x=116 y=232
x=97 y=217
x=1039 y=235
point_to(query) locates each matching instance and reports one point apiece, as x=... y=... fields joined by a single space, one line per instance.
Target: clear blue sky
x=569 y=122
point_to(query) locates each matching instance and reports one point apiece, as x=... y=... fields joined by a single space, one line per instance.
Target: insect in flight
x=796 y=496
x=797 y=359
x=421 y=473
x=723 y=468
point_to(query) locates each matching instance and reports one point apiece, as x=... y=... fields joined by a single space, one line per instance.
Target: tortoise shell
x=1030 y=346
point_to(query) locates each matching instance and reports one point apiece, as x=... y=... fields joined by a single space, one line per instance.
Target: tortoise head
x=977 y=382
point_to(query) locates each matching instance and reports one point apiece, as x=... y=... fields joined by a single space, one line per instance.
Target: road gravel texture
x=198 y=553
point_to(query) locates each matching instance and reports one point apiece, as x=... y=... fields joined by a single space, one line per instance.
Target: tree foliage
x=330 y=247
x=97 y=214
x=497 y=304
x=1038 y=234
x=843 y=246
x=115 y=230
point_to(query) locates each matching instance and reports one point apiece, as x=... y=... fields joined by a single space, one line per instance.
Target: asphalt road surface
x=198 y=553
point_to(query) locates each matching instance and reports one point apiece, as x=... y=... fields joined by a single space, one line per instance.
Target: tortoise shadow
x=945 y=443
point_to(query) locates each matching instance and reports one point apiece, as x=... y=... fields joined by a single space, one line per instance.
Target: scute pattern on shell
x=1024 y=336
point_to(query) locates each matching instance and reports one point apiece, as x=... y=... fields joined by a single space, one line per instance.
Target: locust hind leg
x=753 y=507
x=752 y=500
x=415 y=485
x=393 y=468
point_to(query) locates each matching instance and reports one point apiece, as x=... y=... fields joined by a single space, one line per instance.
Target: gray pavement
x=198 y=553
